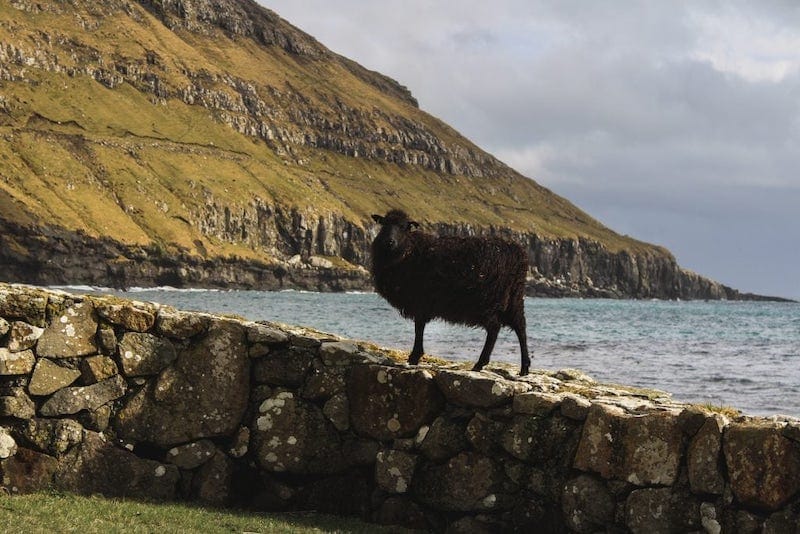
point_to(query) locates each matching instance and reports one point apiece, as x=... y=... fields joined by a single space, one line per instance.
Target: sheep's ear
x=378 y=219
x=412 y=225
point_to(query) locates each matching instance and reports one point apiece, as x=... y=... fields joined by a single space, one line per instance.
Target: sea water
x=740 y=354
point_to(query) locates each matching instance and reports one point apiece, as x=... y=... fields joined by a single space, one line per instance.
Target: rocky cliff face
x=280 y=115
x=577 y=268
x=211 y=143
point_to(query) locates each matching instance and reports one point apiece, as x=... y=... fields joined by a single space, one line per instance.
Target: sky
x=677 y=123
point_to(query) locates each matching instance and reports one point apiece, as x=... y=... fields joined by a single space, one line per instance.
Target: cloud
x=748 y=40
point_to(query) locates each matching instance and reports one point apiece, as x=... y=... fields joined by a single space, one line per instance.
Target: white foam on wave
x=77 y=288
x=136 y=289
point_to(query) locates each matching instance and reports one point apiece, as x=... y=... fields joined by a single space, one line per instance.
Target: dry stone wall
x=124 y=398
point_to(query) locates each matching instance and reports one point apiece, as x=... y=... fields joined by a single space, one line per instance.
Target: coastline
x=53 y=256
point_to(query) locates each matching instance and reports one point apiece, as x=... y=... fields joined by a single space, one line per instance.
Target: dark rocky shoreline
x=53 y=256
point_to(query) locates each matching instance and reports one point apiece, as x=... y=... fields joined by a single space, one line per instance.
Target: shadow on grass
x=64 y=512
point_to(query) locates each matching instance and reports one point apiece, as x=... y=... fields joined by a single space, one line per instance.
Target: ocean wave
x=83 y=289
x=79 y=288
x=170 y=289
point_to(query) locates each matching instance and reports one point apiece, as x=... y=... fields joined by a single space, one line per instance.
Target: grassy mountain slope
x=130 y=164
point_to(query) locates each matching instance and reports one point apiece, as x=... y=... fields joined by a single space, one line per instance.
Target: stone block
x=145 y=354
x=4 y=327
x=17 y=404
x=704 y=455
x=337 y=410
x=97 y=419
x=540 y=440
x=292 y=435
x=48 y=377
x=484 y=433
x=643 y=450
x=72 y=400
x=763 y=465
x=107 y=339
x=25 y=303
x=28 y=471
x=97 y=466
x=274 y=496
x=191 y=455
x=389 y=402
x=135 y=316
x=575 y=407
x=181 y=324
x=212 y=482
x=587 y=505
x=203 y=394
x=71 y=334
x=394 y=470
x=16 y=363
x=97 y=368
x=8 y=446
x=468 y=482
x=335 y=353
x=536 y=403
x=661 y=511
x=483 y=524
x=306 y=340
x=323 y=382
x=478 y=389
x=262 y=333
x=285 y=367
x=52 y=436
x=360 y=452
x=23 y=336
x=445 y=438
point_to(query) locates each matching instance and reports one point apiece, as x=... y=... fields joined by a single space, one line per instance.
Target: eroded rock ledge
x=123 y=398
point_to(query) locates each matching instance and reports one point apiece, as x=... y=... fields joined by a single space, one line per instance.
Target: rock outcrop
x=559 y=268
x=271 y=417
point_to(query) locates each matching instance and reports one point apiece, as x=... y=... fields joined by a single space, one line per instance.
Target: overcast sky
x=677 y=123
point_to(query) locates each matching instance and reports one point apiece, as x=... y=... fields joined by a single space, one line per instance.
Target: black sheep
x=467 y=280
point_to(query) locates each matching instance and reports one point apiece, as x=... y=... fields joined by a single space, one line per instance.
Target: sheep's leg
x=417 y=351
x=515 y=319
x=522 y=336
x=488 y=347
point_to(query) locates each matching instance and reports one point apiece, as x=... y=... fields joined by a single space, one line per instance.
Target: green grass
x=58 y=512
x=728 y=411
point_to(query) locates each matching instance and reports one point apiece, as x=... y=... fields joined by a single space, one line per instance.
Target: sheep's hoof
x=414 y=360
x=523 y=371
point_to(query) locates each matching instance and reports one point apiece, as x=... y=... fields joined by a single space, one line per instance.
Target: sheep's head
x=392 y=241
